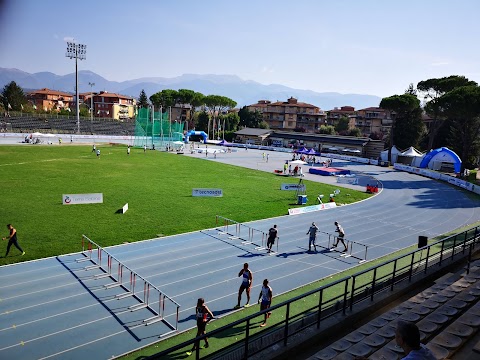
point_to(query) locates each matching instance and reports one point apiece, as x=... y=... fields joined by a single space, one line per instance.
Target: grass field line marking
x=38 y=161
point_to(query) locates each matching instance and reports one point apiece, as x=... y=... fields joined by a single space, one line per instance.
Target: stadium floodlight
x=77 y=52
x=92 y=84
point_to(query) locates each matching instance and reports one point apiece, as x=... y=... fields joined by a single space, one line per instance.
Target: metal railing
x=148 y=295
x=317 y=305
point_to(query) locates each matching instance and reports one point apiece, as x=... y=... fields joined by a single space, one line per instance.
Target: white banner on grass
x=74 y=199
x=207 y=192
x=307 y=209
x=293 y=187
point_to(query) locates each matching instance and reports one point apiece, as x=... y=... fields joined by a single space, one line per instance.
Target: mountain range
x=244 y=92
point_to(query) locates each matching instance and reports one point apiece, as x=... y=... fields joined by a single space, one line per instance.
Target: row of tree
x=214 y=115
x=453 y=105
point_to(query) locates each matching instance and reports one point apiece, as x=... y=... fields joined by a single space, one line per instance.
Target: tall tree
x=13 y=97
x=411 y=90
x=195 y=102
x=432 y=90
x=462 y=107
x=216 y=105
x=250 y=119
x=230 y=121
x=165 y=98
x=202 y=121
x=142 y=100
x=186 y=97
x=405 y=110
x=341 y=126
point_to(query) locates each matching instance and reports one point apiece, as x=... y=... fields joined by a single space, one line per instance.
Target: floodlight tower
x=92 y=84
x=76 y=51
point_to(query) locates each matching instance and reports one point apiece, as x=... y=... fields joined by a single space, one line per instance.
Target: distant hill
x=244 y=92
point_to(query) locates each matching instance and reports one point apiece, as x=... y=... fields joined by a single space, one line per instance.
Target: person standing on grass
x=128 y=149
x=144 y=148
x=341 y=236
x=247 y=279
x=272 y=235
x=98 y=153
x=313 y=237
x=202 y=313
x=265 y=296
x=94 y=148
x=12 y=240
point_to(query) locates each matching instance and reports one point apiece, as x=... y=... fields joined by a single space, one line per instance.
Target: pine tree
x=142 y=100
x=13 y=97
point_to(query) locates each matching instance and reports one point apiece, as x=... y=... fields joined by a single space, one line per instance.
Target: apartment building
x=337 y=113
x=290 y=114
x=373 y=120
x=47 y=99
x=111 y=105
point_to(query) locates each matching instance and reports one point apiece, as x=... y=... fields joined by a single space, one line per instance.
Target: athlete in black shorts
x=272 y=235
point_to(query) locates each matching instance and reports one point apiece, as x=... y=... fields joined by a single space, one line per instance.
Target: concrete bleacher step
x=439 y=352
x=433 y=310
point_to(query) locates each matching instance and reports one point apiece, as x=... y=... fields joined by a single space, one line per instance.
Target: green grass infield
x=157 y=187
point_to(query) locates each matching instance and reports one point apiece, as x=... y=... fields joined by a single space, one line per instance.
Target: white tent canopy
x=411 y=151
x=395 y=153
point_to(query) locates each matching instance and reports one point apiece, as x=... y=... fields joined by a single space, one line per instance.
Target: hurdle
x=255 y=237
x=360 y=255
x=136 y=286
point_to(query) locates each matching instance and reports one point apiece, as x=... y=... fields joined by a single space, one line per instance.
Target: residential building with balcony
x=337 y=113
x=290 y=114
x=373 y=120
x=47 y=99
x=111 y=105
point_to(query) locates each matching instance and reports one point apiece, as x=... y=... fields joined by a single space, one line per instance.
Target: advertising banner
x=301 y=187
x=75 y=199
x=207 y=192
x=307 y=209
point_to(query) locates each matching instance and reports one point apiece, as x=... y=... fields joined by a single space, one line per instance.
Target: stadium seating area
x=447 y=315
x=69 y=125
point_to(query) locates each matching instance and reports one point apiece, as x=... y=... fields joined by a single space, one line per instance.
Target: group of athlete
x=203 y=314
x=312 y=231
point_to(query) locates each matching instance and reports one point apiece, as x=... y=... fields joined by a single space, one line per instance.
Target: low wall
x=439 y=176
x=15 y=138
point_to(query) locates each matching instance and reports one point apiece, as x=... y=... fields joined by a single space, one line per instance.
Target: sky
x=374 y=47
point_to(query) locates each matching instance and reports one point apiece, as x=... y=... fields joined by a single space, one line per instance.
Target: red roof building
x=47 y=99
x=290 y=114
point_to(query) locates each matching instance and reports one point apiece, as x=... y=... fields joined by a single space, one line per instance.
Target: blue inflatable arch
x=457 y=163
x=193 y=132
